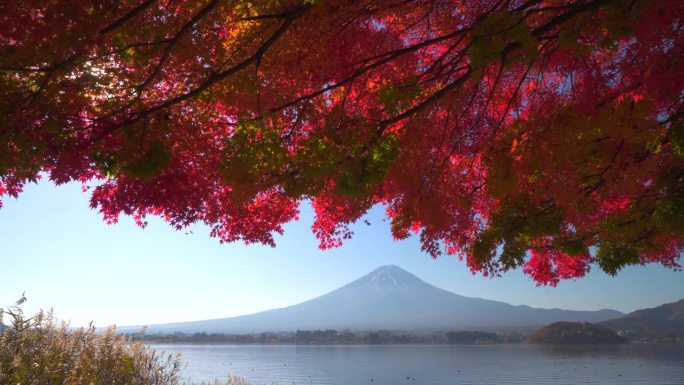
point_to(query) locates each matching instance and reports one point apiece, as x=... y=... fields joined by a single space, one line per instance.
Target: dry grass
x=40 y=351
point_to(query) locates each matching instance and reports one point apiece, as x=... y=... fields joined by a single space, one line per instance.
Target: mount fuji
x=388 y=298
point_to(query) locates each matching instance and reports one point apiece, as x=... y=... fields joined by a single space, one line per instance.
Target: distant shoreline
x=333 y=337
x=630 y=343
x=166 y=341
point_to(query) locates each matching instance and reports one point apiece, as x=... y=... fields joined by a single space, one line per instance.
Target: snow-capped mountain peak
x=389 y=277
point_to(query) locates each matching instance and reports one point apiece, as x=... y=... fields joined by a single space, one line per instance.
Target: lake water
x=435 y=364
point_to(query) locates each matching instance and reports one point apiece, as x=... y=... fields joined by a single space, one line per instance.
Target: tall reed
x=39 y=350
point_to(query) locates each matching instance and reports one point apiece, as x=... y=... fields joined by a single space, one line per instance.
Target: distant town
x=330 y=336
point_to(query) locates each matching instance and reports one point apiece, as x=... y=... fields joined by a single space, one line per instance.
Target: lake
x=435 y=364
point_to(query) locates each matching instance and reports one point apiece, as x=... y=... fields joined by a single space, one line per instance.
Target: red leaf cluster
x=545 y=135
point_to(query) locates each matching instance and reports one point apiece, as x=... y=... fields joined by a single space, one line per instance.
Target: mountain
x=661 y=320
x=575 y=333
x=388 y=298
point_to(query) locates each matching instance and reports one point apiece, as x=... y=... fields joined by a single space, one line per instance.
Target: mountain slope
x=667 y=318
x=389 y=298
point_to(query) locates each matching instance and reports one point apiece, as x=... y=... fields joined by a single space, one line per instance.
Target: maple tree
x=542 y=134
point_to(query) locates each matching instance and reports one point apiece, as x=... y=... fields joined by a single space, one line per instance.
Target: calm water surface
x=435 y=364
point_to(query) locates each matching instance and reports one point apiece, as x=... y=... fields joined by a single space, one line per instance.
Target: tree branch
x=258 y=54
x=129 y=15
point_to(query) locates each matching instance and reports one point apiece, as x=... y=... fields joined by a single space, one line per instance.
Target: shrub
x=41 y=351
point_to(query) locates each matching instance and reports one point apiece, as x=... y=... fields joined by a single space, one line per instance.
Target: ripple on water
x=435 y=364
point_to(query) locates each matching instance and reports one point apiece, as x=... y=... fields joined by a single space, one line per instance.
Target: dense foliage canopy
x=542 y=134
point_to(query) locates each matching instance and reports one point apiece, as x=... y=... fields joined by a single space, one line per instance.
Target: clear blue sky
x=57 y=250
